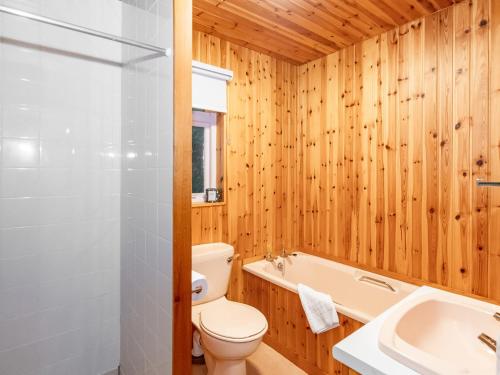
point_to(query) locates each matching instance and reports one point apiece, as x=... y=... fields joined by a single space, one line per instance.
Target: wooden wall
x=494 y=152
x=392 y=134
x=261 y=105
x=181 y=193
x=370 y=154
x=289 y=332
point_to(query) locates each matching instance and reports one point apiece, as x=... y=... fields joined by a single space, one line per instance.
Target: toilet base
x=225 y=367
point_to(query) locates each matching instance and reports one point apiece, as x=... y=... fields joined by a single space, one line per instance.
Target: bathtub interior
x=354 y=295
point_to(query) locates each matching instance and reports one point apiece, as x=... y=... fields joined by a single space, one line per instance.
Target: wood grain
x=181 y=259
x=261 y=110
x=415 y=134
x=370 y=153
x=368 y=156
x=299 y=31
x=494 y=154
x=289 y=332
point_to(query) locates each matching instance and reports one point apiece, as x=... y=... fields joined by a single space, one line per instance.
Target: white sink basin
x=438 y=333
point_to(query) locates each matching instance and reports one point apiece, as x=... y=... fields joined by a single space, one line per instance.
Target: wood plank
x=181 y=243
x=379 y=197
x=445 y=125
x=391 y=102
x=494 y=153
x=416 y=146
x=250 y=13
x=460 y=272
x=334 y=150
x=289 y=332
x=431 y=152
x=480 y=121
x=403 y=250
x=301 y=31
x=278 y=46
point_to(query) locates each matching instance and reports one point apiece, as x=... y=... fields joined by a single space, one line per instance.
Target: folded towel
x=319 y=308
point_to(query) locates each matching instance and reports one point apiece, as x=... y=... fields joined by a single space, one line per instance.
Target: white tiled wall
x=146 y=268
x=60 y=140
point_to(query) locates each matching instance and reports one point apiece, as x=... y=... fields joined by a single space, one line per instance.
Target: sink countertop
x=360 y=351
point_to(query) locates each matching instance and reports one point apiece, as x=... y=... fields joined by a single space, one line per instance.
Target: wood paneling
x=369 y=156
x=494 y=154
x=371 y=153
x=394 y=132
x=289 y=332
x=299 y=31
x=181 y=258
x=209 y=223
x=261 y=108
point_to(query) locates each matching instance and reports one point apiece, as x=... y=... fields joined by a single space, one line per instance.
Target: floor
x=265 y=361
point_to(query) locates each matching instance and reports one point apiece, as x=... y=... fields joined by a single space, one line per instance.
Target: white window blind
x=210 y=87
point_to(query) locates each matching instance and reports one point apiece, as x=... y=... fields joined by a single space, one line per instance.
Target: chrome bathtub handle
x=381 y=283
x=497 y=316
x=492 y=344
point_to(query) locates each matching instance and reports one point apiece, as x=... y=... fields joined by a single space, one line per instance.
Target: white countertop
x=360 y=350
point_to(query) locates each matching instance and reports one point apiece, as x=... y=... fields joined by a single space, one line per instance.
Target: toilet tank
x=214 y=261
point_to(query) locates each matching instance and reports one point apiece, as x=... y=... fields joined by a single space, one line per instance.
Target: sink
x=437 y=333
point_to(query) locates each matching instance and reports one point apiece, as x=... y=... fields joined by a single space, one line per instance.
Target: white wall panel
x=60 y=140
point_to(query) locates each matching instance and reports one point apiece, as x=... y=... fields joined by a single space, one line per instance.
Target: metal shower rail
x=84 y=30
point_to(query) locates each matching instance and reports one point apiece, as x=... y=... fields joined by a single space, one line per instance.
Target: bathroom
x=249 y=187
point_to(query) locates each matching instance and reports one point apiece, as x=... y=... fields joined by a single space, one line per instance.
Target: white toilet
x=230 y=331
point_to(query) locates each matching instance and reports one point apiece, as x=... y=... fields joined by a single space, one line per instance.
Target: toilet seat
x=233 y=322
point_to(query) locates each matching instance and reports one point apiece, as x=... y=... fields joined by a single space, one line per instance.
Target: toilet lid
x=234 y=322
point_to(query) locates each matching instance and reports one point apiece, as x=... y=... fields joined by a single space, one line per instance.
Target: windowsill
x=206 y=204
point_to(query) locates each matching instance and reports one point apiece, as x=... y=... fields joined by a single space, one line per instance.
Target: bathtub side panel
x=290 y=334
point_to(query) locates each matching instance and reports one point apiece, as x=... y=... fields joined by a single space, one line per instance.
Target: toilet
x=230 y=331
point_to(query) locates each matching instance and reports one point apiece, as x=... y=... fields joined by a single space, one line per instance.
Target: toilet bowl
x=230 y=331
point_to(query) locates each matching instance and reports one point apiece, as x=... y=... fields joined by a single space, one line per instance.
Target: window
x=205 y=154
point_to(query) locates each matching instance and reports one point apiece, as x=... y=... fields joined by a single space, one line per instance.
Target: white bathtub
x=357 y=294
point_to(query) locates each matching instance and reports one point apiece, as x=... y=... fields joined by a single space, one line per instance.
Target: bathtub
x=357 y=294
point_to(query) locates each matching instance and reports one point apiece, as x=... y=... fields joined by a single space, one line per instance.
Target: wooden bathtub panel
x=289 y=332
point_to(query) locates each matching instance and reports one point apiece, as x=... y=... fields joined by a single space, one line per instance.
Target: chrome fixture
x=481 y=183
x=497 y=316
x=492 y=344
x=378 y=282
x=270 y=257
x=285 y=254
x=231 y=258
x=84 y=30
x=197 y=290
x=281 y=267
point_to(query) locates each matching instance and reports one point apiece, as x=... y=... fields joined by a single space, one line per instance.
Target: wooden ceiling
x=299 y=31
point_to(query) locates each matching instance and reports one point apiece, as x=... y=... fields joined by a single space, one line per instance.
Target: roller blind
x=210 y=87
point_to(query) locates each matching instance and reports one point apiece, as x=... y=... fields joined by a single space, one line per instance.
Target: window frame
x=209 y=155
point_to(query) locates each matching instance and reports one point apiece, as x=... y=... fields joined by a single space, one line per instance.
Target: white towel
x=319 y=308
x=198 y=281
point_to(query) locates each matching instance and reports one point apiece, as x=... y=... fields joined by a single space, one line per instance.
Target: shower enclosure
x=85 y=187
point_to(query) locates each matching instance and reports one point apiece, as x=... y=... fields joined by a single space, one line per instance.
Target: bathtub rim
x=256 y=268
